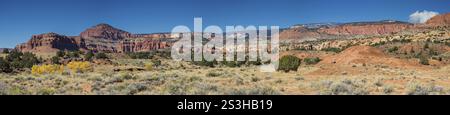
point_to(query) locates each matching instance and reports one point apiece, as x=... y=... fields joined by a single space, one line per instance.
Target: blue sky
x=19 y=19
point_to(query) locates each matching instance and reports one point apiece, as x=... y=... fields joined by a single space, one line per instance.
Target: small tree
x=4 y=66
x=29 y=59
x=288 y=63
x=5 y=51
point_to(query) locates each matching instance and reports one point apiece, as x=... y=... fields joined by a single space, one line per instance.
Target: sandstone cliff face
x=366 y=29
x=439 y=20
x=104 y=31
x=48 y=42
x=142 y=45
x=299 y=33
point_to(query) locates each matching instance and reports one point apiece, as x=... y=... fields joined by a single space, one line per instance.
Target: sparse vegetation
x=140 y=55
x=336 y=50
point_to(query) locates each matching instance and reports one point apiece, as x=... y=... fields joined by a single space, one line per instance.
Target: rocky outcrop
x=439 y=20
x=48 y=42
x=104 y=31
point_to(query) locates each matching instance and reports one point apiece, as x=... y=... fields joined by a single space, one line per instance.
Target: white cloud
x=421 y=17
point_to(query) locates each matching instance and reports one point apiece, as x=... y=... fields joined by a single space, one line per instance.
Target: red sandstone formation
x=99 y=38
x=48 y=42
x=104 y=31
x=439 y=20
x=139 y=45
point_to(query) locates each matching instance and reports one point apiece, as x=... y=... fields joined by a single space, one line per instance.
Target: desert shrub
x=101 y=56
x=378 y=44
x=401 y=40
x=46 y=91
x=255 y=79
x=256 y=90
x=205 y=63
x=388 y=89
x=311 y=61
x=140 y=55
x=60 y=53
x=47 y=69
x=55 y=60
x=89 y=56
x=393 y=49
x=415 y=88
x=299 y=78
x=73 y=54
x=423 y=60
x=135 y=88
x=336 y=50
x=213 y=74
x=288 y=63
x=3 y=88
x=79 y=66
x=343 y=87
x=426 y=46
x=156 y=63
x=177 y=88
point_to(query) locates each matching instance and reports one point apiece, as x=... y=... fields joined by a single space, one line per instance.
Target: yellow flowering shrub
x=47 y=69
x=79 y=66
x=149 y=66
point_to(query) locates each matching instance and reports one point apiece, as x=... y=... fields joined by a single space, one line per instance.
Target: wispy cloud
x=421 y=17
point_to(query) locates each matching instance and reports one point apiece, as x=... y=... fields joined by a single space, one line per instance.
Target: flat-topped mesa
x=104 y=31
x=48 y=42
